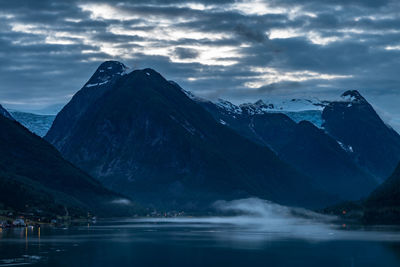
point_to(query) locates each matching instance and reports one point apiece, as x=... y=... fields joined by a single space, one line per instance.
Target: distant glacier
x=38 y=124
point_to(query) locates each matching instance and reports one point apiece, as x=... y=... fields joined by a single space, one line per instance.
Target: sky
x=241 y=51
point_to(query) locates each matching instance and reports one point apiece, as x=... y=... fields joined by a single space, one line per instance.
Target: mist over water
x=259 y=219
x=246 y=229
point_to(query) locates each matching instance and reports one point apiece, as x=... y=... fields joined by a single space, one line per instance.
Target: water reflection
x=256 y=233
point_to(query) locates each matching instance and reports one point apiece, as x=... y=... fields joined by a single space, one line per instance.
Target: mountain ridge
x=301 y=144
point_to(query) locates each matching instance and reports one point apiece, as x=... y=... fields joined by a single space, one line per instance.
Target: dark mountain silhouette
x=383 y=205
x=373 y=145
x=35 y=178
x=101 y=81
x=141 y=135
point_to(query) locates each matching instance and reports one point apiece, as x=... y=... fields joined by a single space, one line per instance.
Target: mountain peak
x=353 y=96
x=106 y=72
x=147 y=73
x=258 y=107
x=112 y=64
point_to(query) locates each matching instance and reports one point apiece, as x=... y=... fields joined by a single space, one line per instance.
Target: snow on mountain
x=228 y=106
x=352 y=96
x=296 y=105
x=313 y=116
x=38 y=124
x=106 y=72
x=354 y=123
x=302 y=109
x=150 y=140
x=296 y=109
x=281 y=106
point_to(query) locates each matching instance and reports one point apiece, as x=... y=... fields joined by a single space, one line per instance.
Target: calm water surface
x=238 y=241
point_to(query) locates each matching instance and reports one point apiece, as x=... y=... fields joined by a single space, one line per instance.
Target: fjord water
x=268 y=235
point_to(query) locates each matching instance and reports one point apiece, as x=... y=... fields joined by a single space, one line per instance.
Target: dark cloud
x=48 y=49
x=251 y=34
x=366 y=3
x=185 y=53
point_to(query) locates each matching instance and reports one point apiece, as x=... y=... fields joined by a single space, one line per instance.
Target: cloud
x=214 y=48
x=251 y=34
x=184 y=53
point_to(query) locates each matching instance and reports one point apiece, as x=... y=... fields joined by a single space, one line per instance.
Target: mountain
x=383 y=205
x=37 y=124
x=143 y=136
x=35 y=178
x=302 y=145
x=101 y=81
x=4 y=112
x=373 y=145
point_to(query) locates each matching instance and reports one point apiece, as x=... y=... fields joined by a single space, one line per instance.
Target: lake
x=270 y=236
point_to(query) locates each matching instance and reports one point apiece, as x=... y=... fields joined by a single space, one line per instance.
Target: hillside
x=35 y=178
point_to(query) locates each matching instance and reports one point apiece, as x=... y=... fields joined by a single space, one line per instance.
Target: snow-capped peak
x=228 y=106
x=107 y=71
x=286 y=105
x=352 y=96
x=258 y=107
x=113 y=67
